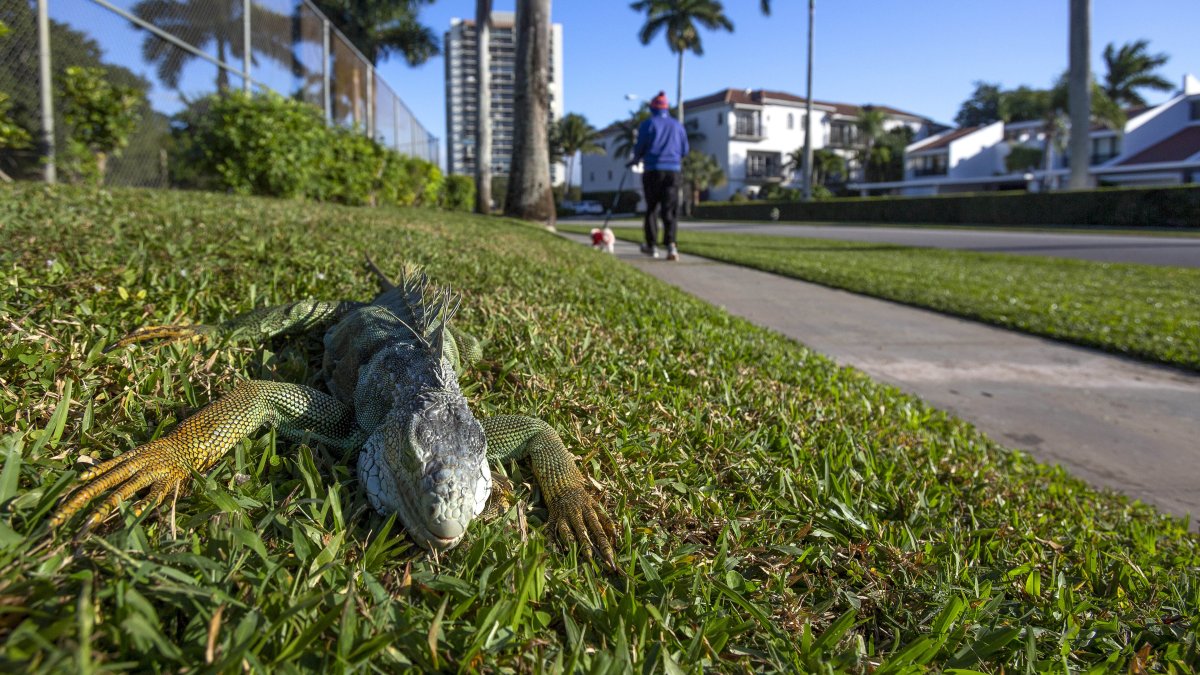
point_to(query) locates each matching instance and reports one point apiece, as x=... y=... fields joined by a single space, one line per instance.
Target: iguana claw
x=156 y=465
x=576 y=518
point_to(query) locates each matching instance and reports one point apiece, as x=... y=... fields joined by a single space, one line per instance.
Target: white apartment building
x=1159 y=145
x=461 y=103
x=751 y=133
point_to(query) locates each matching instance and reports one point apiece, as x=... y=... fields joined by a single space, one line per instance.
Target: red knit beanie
x=660 y=102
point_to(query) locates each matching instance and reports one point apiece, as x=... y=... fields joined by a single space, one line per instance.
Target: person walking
x=661 y=144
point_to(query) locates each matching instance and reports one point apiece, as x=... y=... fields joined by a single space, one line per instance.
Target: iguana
x=391 y=367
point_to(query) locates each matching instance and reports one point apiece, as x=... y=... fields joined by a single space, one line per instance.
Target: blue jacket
x=661 y=142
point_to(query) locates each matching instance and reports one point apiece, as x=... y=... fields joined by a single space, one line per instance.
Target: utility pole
x=808 y=110
x=1079 y=93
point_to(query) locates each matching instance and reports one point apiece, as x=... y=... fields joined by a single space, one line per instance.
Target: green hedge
x=1123 y=207
x=272 y=146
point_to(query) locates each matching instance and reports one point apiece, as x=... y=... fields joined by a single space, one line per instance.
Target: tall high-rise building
x=461 y=102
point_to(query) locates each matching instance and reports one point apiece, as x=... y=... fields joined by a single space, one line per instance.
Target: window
x=1194 y=109
x=749 y=123
x=929 y=165
x=843 y=135
x=720 y=118
x=763 y=164
x=1104 y=149
x=592 y=176
x=610 y=174
x=791 y=121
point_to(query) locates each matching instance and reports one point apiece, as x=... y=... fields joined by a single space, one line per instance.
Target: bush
x=1023 y=158
x=273 y=146
x=458 y=194
x=100 y=116
x=737 y=198
x=1119 y=207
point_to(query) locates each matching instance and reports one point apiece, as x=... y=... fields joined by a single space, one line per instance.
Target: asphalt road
x=1114 y=422
x=1157 y=250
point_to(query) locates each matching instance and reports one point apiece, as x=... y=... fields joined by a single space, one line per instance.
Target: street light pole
x=808 y=110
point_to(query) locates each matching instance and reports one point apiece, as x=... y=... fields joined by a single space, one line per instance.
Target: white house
x=1159 y=145
x=751 y=133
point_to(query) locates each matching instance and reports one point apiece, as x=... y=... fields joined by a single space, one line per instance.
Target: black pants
x=662 y=193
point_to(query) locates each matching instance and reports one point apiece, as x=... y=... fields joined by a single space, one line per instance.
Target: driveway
x=1114 y=422
x=1157 y=250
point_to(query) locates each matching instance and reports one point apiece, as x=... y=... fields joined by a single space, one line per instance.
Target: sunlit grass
x=778 y=513
x=1144 y=311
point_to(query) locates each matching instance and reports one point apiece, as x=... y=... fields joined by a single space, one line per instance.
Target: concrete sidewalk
x=1114 y=422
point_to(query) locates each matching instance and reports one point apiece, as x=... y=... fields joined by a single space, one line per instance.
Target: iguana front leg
x=260 y=324
x=574 y=515
x=199 y=441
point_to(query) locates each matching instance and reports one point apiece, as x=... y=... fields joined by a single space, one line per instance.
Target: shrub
x=99 y=116
x=738 y=197
x=458 y=193
x=1122 y=207
x=354 y=171
x=1022 y=158
x=273 y=146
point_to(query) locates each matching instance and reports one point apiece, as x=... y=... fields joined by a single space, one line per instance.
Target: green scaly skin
x=303 y=413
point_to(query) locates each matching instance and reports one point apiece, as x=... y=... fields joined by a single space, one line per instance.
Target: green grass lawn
x=1148 y=312
x=778 y=513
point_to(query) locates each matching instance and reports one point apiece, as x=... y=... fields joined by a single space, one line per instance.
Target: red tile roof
x=761 y=96
x=1176 y=148
x=939 y=142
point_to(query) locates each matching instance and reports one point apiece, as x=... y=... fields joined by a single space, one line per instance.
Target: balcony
x=749 y=133
x=763 y=177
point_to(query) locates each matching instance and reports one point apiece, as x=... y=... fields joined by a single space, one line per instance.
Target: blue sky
x=921 y=55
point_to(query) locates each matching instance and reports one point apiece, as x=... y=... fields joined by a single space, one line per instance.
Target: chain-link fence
x=176 y=52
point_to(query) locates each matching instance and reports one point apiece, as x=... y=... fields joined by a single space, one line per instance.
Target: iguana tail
x=385 y=284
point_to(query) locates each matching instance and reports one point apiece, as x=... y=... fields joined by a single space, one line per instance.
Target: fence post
x=47 y=87
x=246 y=47
x=325 y=72
x=395 y=123
x=370 y=101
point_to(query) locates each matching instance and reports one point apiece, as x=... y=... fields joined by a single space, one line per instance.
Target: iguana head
x=430 y=468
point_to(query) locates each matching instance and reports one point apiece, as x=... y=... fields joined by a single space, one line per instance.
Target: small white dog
x=602 y=239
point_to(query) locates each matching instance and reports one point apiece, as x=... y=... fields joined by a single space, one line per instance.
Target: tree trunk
x=483 y=103
x=222 y=74
x=1079 y=93
x=530 y=194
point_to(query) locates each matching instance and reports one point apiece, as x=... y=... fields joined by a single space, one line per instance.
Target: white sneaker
x=672 y=253
x=649 y=250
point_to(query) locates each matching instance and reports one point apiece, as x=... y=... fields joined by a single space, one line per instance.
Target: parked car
x=588 y=206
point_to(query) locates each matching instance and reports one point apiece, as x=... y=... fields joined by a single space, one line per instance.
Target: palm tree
x=530 y=195
x=204 y=22
x=826 y=164
x=701 y=172
x=870 y=126
x=573 y=134
x=1079 y=77
x=1101 y=108
x=678 y=19
x=1131 y=68
x=381 y=28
